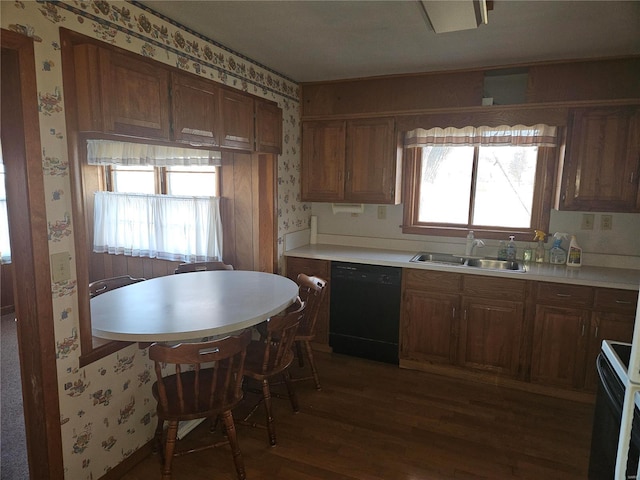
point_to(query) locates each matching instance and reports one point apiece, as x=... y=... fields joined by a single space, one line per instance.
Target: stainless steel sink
x=483 y=263
x=424 y=257
x=490 y=264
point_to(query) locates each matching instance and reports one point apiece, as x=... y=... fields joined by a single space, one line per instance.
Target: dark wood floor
x=378 y=422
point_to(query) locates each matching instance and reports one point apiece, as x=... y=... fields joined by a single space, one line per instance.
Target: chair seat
x=194 y=408
x=255 y=357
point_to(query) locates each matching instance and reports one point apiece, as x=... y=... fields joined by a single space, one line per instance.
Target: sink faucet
x=476 y=243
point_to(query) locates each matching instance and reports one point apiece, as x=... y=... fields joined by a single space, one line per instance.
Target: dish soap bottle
x=469 y=245
x=540 y=250
x=574 y=257
x=511 y=249
x=557 y=255
x=502 y=250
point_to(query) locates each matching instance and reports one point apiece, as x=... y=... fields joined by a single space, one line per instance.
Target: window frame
x=545 y=181
x=161 y=179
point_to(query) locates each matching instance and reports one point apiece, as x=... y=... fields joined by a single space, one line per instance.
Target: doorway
x=22 y=153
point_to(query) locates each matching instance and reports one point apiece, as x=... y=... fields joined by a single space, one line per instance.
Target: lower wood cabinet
x=318 y=268
x=570 y=324
x=429 y=316
x=475 y=322
x=559 y=343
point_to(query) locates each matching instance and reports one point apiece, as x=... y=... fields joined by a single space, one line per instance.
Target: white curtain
x=5 y=244
x=539 y=135
x=173 y=228
x=108 y=152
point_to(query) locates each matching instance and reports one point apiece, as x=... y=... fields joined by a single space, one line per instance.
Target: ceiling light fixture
x=455 y=15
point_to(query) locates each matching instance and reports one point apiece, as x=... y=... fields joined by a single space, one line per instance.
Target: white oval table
x=189 y=306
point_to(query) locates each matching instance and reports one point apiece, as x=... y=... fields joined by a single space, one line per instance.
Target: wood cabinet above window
x=601 y=169
x=350 y=161
x=195 y=111
x=132 y=97
x=118 y=92
x=268 y=127
x=236 y=120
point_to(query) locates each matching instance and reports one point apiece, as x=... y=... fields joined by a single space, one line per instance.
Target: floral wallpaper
x=107 y=410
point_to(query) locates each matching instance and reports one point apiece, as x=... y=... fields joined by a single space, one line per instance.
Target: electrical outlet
x=587 y=221
x=382 y=212
x=606 y=222
x=60 y=267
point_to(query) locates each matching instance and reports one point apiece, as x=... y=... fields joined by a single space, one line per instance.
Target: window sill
x=101 y=348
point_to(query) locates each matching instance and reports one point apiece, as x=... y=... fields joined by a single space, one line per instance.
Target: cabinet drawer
x=564 y=295
x=432 y=280
x=489 y=287
x=308 y=266
x=611 y=300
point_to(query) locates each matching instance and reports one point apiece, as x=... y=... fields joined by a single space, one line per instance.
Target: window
x=157 y=202
x=490 y=180
x=5 y=245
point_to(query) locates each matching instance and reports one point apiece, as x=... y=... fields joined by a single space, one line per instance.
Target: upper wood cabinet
x=268 y=127
x=350 y=161
x=135 y=96
x=602 y=161
x=121 y=93
x=195 y=110
x=323 y=161
x=236 y=120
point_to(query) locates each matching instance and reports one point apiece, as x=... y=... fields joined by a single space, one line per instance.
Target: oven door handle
x=603 y=374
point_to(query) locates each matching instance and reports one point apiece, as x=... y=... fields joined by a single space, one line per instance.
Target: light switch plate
x=60 y=267
x=606 y=222
x=587 y=221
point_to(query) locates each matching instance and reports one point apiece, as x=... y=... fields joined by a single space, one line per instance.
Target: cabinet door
x=371 y=161
x=428 y=326
x=135 y=96
x=605 y=326
x=323 y=160
x=601 y=167
x=559 y=341
x=236 y=121
x=268 y=127
x=490 y=334
x=195 y=110
x=318 y=268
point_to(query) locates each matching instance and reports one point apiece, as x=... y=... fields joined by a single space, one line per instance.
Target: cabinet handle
x=348 y=175
x=563 y=295
x=583 y=327
x=596 y=333
x=453 y=312
x=632 y=177
x=623 y=302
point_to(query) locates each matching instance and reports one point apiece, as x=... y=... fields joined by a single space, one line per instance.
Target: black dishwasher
x=365 y=311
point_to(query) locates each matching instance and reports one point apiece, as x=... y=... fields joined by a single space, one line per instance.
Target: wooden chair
x=106 y=284
x=312 y=291
x=193 y=392
x=269 y=357
x=202 y=267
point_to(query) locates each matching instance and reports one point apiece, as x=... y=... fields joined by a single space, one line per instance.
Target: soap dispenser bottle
x=469 y=245
x=511 y=249
x=557 y=255
x=574 y=256
x=540 y=250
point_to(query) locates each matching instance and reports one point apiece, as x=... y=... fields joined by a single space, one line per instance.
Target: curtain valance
x=539 y=135
x=107 y=152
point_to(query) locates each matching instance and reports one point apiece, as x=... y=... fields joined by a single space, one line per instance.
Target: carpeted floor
x=12 y=437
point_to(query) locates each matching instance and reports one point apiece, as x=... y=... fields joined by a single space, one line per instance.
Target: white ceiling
x=308 y=40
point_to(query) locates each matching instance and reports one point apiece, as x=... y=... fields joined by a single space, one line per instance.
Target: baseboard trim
x=487 y=378
x=131 y=461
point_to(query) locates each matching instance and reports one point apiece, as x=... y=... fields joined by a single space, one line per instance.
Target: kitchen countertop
x=626 y=279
